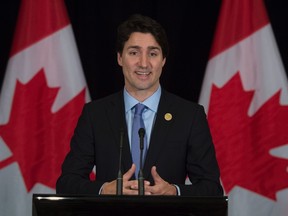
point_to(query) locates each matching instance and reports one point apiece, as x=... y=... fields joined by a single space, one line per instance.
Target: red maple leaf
x=243 y=143
x=38 y=138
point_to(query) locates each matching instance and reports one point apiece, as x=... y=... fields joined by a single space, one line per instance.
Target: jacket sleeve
x=202 y=167
x=79 y=162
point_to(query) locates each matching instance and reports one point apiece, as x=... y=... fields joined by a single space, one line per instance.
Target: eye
x=132 y=53
x=153 y=54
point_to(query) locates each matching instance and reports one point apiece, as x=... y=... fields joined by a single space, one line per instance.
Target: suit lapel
x=159 y=132
x=117 y=120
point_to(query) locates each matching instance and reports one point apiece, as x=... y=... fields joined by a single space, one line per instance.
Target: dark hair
x=143 y=24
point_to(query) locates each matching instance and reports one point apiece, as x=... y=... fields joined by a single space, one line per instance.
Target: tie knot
x=139 y=108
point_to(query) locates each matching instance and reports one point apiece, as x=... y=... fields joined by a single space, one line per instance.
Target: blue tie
x=135 y=145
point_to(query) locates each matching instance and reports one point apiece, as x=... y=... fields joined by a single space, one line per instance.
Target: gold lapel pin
x=168 y=116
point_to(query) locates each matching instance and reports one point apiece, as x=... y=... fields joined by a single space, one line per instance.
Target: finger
x=134 y=184
x=133 y=189
x=130 y=188
x=152 y=189
x=129 y=191
x=147 y=182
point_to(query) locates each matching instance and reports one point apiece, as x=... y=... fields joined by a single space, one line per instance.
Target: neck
x=142 y=95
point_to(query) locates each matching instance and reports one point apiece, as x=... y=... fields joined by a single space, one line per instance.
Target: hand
x=161 y=187
x=130 y=187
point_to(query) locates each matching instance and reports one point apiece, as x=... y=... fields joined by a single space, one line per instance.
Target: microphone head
x=141 y=132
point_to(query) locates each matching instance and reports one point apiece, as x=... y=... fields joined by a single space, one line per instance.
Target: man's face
x=142 y=62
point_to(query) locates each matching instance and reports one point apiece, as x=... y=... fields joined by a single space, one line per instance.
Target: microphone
x=141 y=133
x=119 y=187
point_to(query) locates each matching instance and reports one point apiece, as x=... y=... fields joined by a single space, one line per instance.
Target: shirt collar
x=151 y=102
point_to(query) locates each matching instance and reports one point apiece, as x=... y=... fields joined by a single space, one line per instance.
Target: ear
x=119 y=59
x=163 y=61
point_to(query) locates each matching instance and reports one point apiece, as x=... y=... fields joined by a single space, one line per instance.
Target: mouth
x=143 y=73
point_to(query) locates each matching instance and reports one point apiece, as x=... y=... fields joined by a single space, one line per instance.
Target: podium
x=104 y=205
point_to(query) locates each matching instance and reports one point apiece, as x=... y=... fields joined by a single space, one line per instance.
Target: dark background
x=190 y=28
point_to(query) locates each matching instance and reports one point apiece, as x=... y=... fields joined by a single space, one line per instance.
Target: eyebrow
x=138 y=47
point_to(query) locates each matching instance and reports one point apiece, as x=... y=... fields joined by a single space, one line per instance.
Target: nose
x=143 y=61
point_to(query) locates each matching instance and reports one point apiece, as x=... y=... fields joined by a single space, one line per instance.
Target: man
x=178 y=139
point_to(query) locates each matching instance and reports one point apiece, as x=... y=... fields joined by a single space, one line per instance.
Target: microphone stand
x=119 y=187
x=141 y=191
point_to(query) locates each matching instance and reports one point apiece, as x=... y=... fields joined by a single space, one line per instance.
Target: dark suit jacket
x=178 y=148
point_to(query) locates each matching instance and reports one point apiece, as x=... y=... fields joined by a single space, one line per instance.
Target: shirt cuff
x=100 y=191
x=177 y=190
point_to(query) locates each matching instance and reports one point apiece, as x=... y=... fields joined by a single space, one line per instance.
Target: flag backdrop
x=43 y=93
x=245 y=93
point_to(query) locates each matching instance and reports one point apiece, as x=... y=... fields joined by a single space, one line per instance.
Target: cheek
x=159 y=68
x=126 y=66
x=129 y=65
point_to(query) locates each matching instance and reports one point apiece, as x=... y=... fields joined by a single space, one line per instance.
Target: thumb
x=155 y=175
x=129 y=173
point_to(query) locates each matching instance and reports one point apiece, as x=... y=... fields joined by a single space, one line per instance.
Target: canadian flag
x=42 y=96
x=245 y=93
